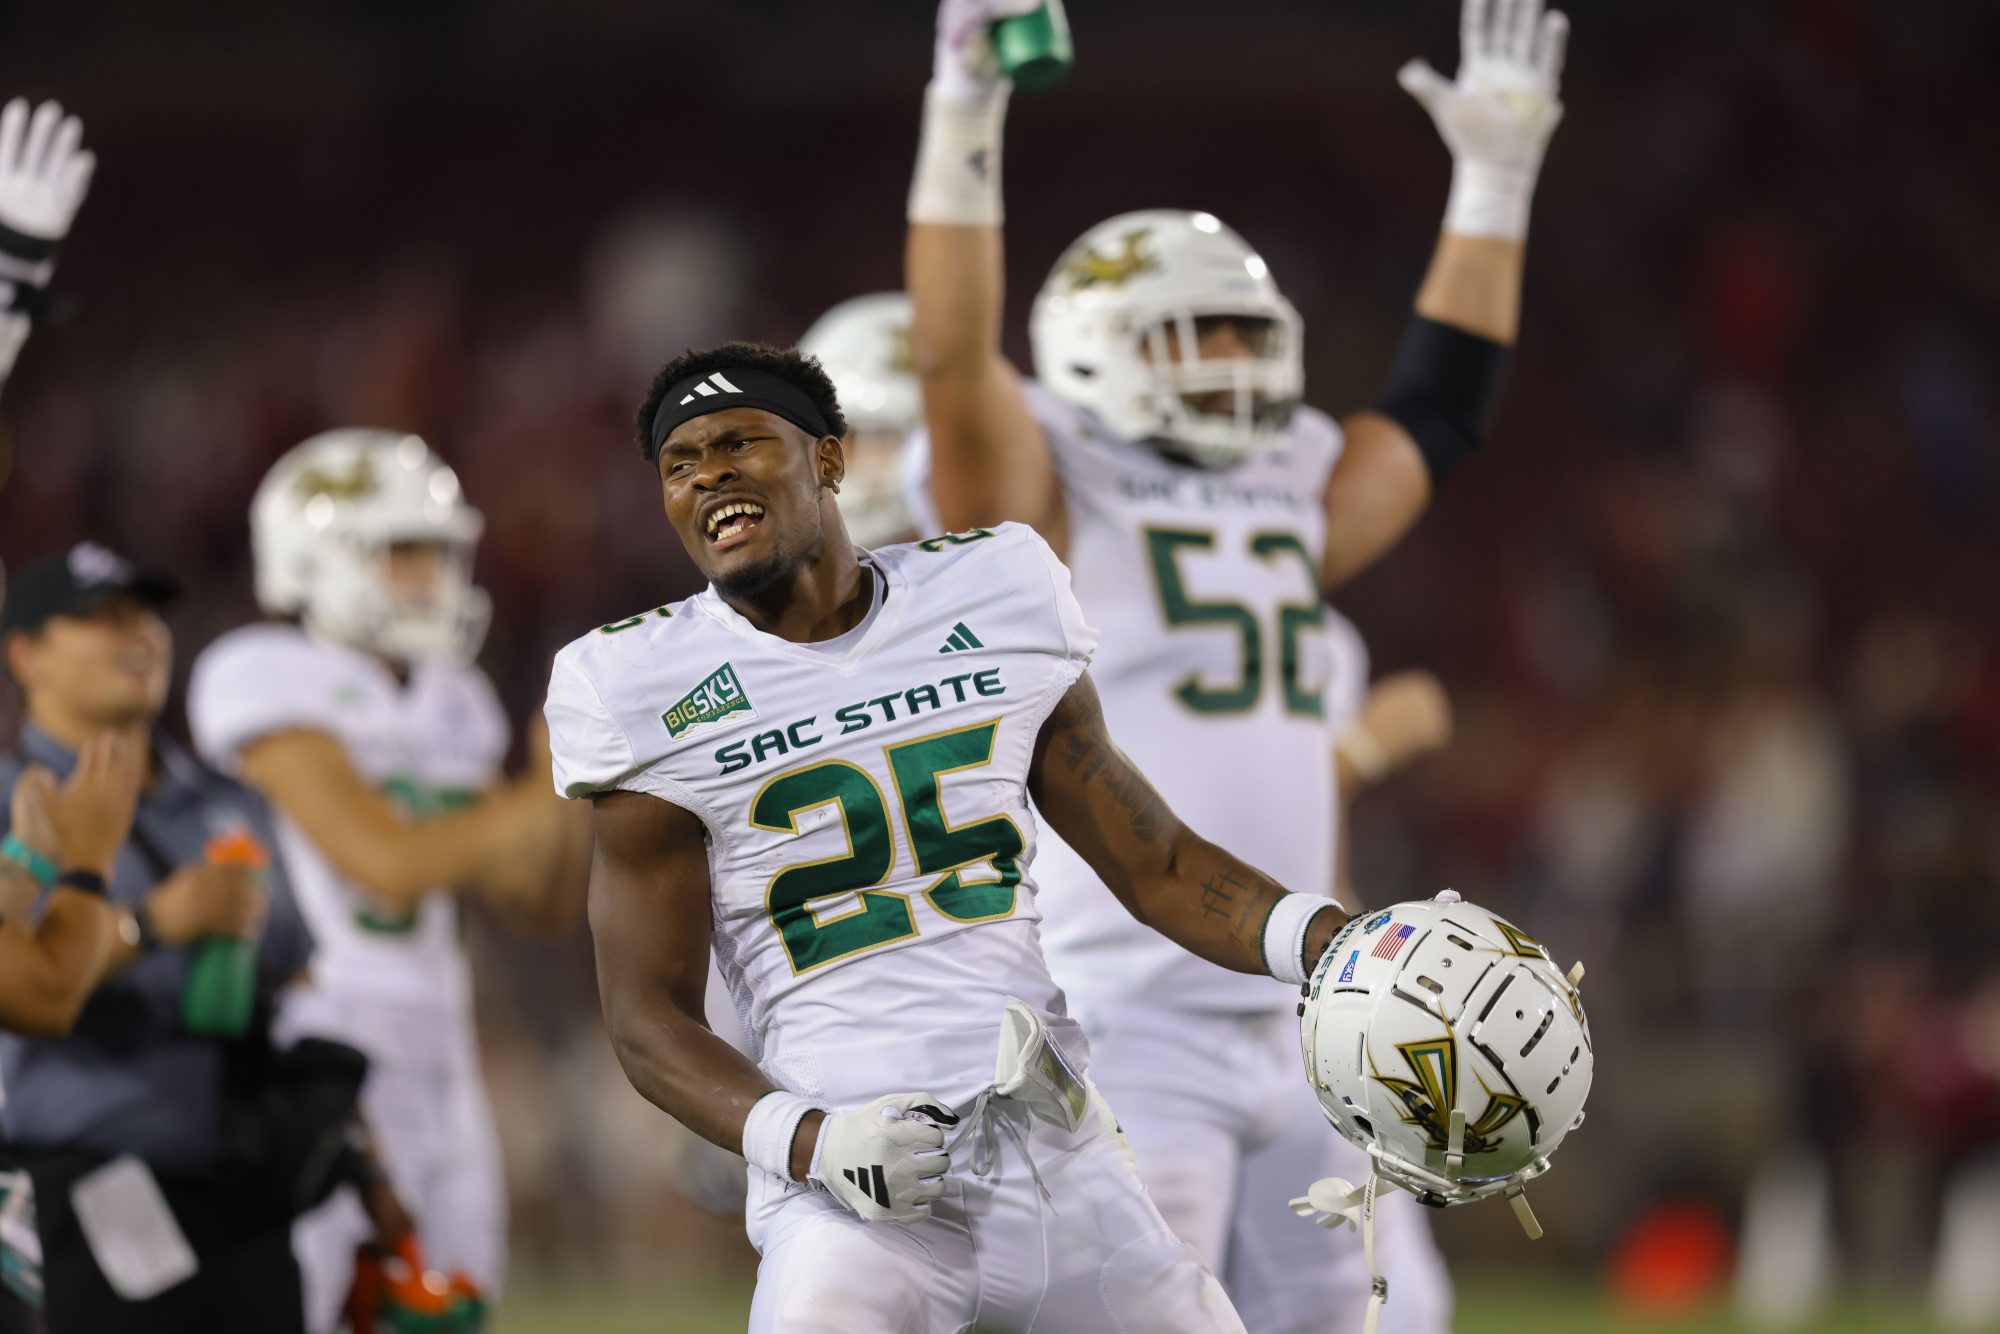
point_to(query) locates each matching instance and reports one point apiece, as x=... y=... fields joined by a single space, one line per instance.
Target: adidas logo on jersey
x=869 y=1181
x=710 y=387
x=961 y=639
x=718 y=696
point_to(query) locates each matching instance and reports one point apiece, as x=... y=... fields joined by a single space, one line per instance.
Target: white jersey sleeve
x=589 y=746
x=255 y=681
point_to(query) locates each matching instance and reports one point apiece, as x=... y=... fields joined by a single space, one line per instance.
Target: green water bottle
x=222 y=978
x=1035 y=49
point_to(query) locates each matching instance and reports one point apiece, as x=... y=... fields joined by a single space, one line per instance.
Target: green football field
x=1487 y=1305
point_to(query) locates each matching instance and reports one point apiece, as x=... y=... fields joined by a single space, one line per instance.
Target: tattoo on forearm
x=1241 y=904
x=1106 y=768
x=1219 y=895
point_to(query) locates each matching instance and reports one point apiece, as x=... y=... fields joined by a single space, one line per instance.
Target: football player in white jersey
x=359 y=713
x=1205 y=513
x=820 y=768
x=863 y=345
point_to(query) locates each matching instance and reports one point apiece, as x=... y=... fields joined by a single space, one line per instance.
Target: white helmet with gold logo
x=864 y=346
x=1115 y=330
x=321 y=529
x=1444 y=1043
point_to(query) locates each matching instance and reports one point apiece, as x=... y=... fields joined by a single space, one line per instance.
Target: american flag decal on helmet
x=1392 y=944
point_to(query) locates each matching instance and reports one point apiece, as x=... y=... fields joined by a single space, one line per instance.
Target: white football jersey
x=1216 y=675
x=432 y=744
x=866 y=804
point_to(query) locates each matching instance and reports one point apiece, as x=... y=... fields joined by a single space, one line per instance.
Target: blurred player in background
x=863 y=345
x=1205 y=512
x=359 y=712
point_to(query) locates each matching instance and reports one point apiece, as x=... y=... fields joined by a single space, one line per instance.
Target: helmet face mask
x=1218 y=408
x=1442 y=1041
x=1118 y=330
x=326 y=524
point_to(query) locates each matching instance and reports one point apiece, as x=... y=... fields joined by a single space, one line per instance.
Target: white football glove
x=966 y=70
x=885 y=1161
x=44 y=170
x=1498 y=114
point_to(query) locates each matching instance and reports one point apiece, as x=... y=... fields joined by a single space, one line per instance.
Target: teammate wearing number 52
x=1204 y=511
x=821 y=765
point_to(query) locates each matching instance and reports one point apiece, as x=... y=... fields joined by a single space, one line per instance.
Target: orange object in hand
x=238 y=847
x=394 y=1291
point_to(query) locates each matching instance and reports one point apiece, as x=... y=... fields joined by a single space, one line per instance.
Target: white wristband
x=1284 y=939
x=957 y=183
x=770 y=1128
x=1489 y=201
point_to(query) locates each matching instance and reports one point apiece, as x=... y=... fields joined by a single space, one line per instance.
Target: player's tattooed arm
x=1166 y=875
x=649 y=919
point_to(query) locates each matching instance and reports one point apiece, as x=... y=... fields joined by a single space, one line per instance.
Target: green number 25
x=941 y=848
x=1164 y=546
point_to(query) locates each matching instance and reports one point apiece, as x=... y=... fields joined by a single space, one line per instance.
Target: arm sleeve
x=252 y=684
x=1079 y=636
x=589 y=747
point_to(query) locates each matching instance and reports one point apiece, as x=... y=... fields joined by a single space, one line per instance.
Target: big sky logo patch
x=719 y=696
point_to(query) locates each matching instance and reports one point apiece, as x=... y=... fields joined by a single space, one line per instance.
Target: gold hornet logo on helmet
x=1094 y=269
x=1428 y=1099
x=359 y=480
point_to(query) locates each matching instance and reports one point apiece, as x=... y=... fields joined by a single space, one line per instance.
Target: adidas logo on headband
x=710 y=387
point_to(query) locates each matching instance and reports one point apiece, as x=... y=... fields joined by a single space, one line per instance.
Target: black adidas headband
x=735 y=387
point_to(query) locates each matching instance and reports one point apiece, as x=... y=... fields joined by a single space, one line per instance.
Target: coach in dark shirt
x=84 y=639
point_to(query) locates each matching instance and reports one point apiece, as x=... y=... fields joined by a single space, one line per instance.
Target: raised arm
x=1496 y=117
x=989 y=459
x=44 y=175
x=1169 y=877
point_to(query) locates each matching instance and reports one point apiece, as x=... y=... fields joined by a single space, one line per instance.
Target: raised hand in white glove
x=1498 y=114
x=967 y=72
x=44 y=174
x=885 y=1161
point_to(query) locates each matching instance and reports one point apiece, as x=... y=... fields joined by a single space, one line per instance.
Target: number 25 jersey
x=865 y=803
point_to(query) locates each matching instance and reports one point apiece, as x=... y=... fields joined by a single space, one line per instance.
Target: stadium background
x=1717 y=607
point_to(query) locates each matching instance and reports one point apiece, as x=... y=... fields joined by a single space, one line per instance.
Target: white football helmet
x=864 y=346
x=321 y=526
x=1443 y=1041
x=1100 y=334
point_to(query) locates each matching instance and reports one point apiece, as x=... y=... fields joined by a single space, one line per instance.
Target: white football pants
x=434 y=1131
x=1093 y=1258
x=1227 y=1131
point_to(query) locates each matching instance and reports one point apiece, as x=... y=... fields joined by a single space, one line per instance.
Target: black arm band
x=1442 y=390
x=86 y=882
x=33 y=249
x=24 y=298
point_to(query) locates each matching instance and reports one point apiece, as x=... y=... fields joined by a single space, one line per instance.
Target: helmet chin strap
x=1334 y=1202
